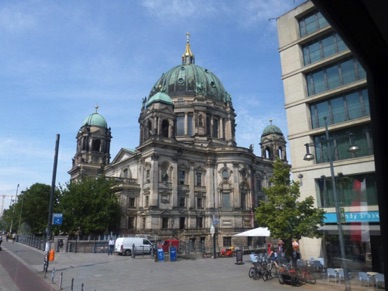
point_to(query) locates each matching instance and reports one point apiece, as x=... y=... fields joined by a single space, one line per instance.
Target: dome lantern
x=188 y=57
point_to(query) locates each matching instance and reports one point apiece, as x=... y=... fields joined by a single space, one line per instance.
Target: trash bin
x=160 y=255
x=51 y=255
x=172 y=254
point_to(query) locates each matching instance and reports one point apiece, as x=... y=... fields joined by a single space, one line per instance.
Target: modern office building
x=187 y=172
x=327 y=108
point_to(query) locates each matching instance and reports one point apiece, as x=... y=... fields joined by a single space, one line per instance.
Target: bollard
x=60 y=281
x=52 y=276
x=82 y=287
x=133 y=250
x=72 y=284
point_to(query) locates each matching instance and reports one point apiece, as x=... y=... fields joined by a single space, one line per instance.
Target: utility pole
x=13 y=209
x=50 y=212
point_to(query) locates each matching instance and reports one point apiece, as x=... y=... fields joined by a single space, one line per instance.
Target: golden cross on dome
x=187 y=37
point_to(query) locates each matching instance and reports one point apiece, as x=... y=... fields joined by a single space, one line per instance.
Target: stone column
x=154 y=180
x=210 y=184
x=236 y=199
x=174 y=182
x=191 y=199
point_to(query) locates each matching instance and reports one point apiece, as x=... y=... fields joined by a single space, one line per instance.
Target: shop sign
x=358 y=216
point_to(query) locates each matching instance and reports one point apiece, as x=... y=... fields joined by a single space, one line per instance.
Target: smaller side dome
x=271 y=129
x=95 y=119
x=159 y=97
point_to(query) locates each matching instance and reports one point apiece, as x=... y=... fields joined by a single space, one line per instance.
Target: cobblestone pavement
x=100 y=272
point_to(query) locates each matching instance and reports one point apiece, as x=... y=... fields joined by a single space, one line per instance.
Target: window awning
x=350 y=229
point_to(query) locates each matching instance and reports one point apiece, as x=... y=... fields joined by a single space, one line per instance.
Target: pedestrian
x=280 y=247
x=273 y=256
x=295 y=254
x=111 y=244
x=60 y=245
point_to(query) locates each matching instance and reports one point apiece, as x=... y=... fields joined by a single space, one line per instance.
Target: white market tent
x=260 y=231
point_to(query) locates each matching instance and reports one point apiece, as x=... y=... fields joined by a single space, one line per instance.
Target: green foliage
x=286 y=216
x=89 y=206
x=30 y=210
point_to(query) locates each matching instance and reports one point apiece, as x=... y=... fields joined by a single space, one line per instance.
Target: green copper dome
x=271 y=129
x=95 y=119
x=159 y=97
x=188 y=80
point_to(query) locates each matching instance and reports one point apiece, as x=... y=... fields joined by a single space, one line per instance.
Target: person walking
x=111 y=244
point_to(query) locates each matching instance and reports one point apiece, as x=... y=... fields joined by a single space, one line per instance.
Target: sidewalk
x=100 y=272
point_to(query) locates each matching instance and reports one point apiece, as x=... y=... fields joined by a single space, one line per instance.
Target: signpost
x=57 y=219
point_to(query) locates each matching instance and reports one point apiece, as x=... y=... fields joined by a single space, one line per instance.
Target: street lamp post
x=308 y=157
x=213 y=233
x=50 y=210
x=13 y=210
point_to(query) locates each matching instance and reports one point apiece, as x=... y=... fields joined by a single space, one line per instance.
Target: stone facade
x=187 y=172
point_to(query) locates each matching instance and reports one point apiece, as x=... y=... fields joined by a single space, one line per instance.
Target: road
x=100 y=272
x=16 y=276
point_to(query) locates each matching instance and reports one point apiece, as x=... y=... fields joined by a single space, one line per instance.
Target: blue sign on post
x=172 y=254
x=160 y=255
x=57 y=219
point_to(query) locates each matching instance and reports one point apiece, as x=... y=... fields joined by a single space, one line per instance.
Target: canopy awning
x=349 y=228
x=260 y=231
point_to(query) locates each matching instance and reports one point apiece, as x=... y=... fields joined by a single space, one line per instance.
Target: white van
x=124 y=245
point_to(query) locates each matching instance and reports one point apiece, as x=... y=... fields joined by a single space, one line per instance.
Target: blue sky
x=59 y=59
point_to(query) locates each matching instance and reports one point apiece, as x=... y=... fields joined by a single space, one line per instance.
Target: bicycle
x=259 y=269
x=255 y=272
x=306 y=276
x=289 y=275
x=273 y=268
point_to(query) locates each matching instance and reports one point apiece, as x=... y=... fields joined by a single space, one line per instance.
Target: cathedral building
x=187 y=173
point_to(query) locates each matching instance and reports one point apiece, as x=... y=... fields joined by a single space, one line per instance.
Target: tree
x=30 y=210
x=286 y=216
x=89 y=206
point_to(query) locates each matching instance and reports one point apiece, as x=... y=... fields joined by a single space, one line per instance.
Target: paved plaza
x=100 y=272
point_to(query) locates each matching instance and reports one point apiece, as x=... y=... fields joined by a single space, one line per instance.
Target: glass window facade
x=243 y=200
x=340 y=142
x=358 y=190
x=199 y=203
x=199 y=222
x=227 y=241
x=334 y=76
x=190 y=124
x=226 y=200
x=164 y=222
x=322 y=48
x=180 y=125
x=182 y=201
x=340 y=108
x=311 y=23
x=198 y=178
x=215 y=127
x=182 y=175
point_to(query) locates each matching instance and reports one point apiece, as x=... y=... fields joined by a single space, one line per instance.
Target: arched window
x=96 y=145
x=124 y=173
x=165 y=126
x=180 y=125
x=149 y=127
